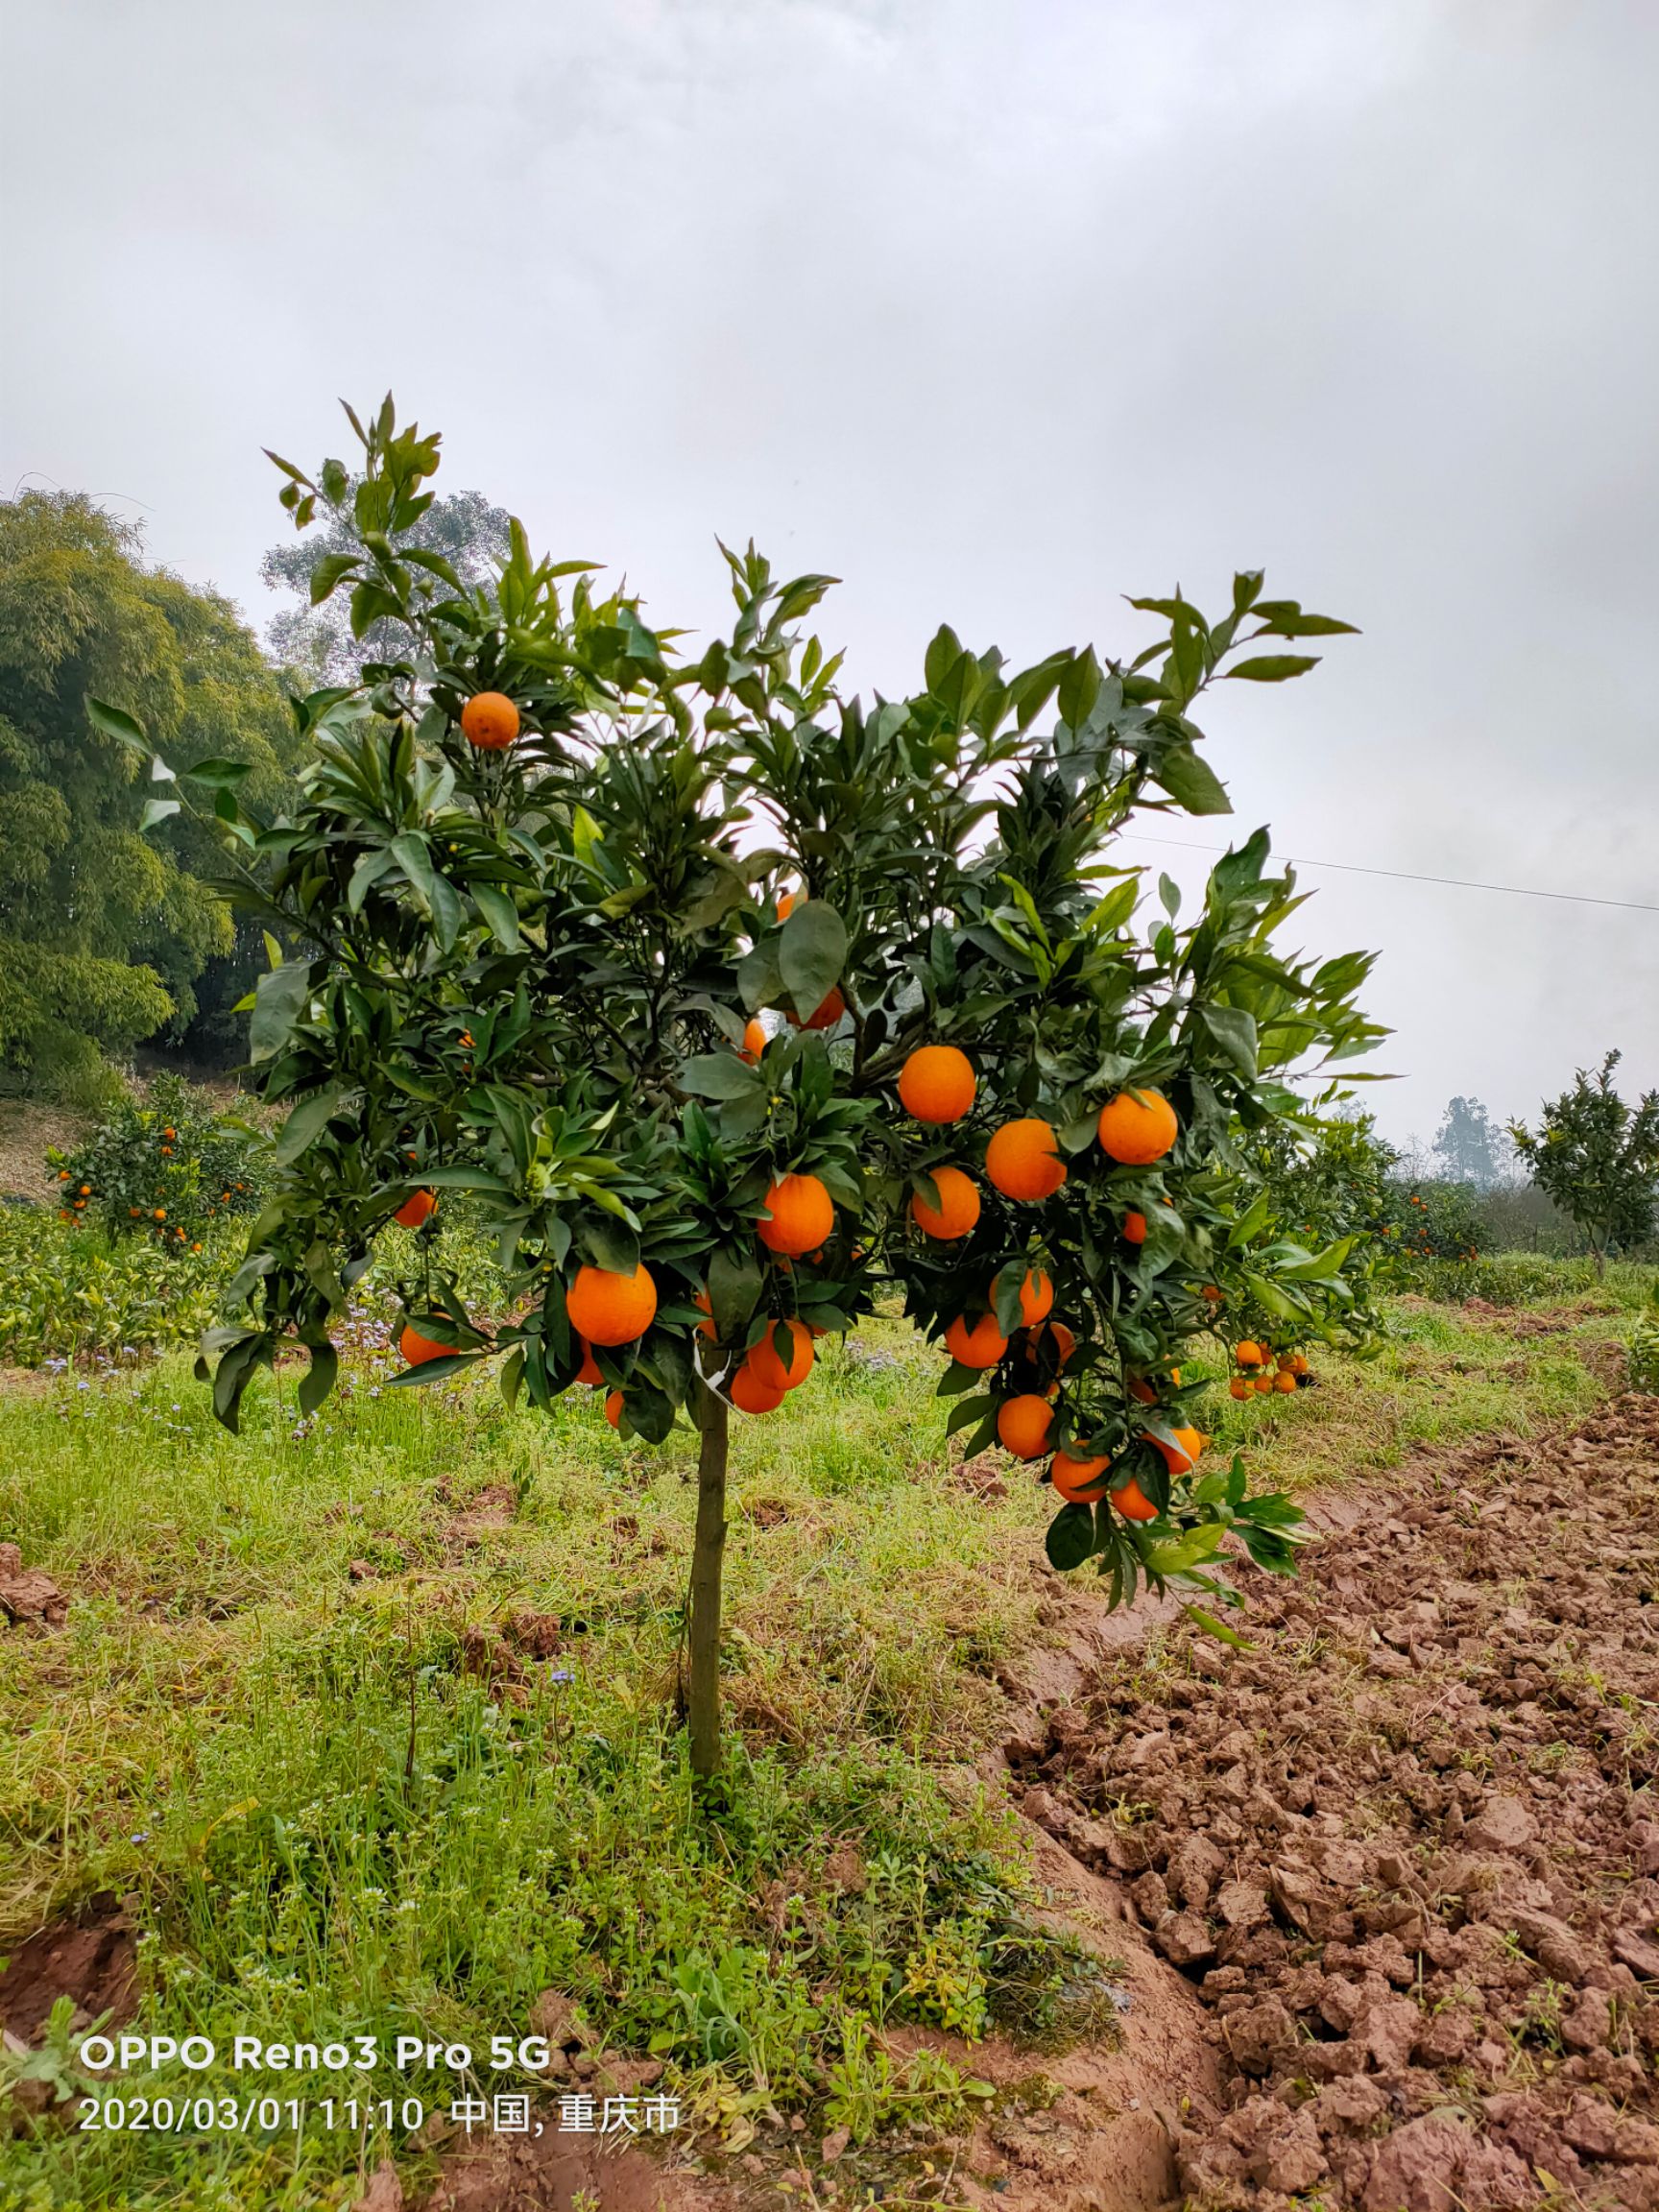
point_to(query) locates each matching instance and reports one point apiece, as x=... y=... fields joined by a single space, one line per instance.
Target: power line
x=1404 y=876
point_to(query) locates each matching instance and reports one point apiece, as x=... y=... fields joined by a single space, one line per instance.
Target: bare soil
x=89 y=1956
x=1405 y=1850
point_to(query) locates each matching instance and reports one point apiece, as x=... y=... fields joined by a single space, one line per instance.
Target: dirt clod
x=27 y=1596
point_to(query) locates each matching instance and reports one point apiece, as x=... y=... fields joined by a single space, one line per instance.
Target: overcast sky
x=997 y=311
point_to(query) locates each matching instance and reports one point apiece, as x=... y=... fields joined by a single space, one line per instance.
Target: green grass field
x=292 y=1720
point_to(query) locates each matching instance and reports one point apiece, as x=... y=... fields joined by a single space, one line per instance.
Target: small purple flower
x=560 y=1674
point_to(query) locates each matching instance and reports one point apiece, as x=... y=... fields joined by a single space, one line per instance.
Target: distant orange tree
x=736 y=1002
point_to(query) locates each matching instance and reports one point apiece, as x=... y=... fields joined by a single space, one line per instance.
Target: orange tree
x=736 y=1003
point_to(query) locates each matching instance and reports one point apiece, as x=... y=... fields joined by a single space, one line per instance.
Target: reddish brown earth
x=1405 y=1849
x=89 y=1956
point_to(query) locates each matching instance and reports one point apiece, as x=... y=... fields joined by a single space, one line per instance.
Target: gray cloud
x=999 y=313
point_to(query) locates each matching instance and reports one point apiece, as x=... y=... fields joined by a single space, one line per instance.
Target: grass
x=333 y=1817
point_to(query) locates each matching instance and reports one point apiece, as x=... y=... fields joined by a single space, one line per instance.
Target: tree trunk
x=1601 y=1261
x=708 y=1555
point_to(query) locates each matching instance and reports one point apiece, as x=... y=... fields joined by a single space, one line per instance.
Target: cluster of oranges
x=76 y=1209
x=1262 y=1370
x=937 y=1087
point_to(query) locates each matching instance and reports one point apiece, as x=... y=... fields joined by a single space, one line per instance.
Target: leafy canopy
x=1598 y=1159
x=525 y=973
x=105 y=931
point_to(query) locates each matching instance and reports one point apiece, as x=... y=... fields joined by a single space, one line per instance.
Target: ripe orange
x=160 y=1214
x=827 y=1014
x=1183 y=1454
x=753 y=1039
x=785 y=904
x=957 y=1210
x=1142 y=1391
x=770 y=1371
x=417 y=1349
x=609 y=1309
x=62 y=1175
x=85 y=1189
x=1211 y=1293
x=415 y=1209
x=613 y=1408
x=1023 y=1160
x=802 y=1214
x=981 y=1346
x=1134 y=1227
x=1284 y=1380
x=1078 y=1480
x=1237 y=1388
x=1284 y=1363
x=1053 y=1340
x=706 y=1305
x=1137 y=1127
x=1298 y=1364
x=937 y=1083
x=490 y=721
x=169 y=1134
x=1022 y=1426
x=750 y=1395
x=1132 y=1502
x=588 y=1371
x=1036 y=1296
x=1261 y=1383
x=1249 y=1354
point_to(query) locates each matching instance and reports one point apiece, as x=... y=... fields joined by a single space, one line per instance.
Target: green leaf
x=1275 y=668
x=216 y=774
x=1208 y=1622
x=1191 y=782
x=721 y=1076
x=329 y=572
x=280 y=998
x=811 y=953
x=114 y=723
x=497 y=909
x=305 y=1125
x=156 y=810
x=319 y=1377
x=1071 y=1537
x=463 y=1179
x=1234 y=1031
x=733 y=1291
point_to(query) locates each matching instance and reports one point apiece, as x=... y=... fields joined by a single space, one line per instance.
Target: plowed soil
x=1404 y=1849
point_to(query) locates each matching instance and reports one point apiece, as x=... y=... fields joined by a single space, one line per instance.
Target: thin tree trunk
x=708 y=1555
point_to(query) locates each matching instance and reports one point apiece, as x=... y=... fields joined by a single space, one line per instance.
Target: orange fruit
x=160 y=1214
x=937 y=1083
x=415 y=1209
x=1023 y=1160
x=490 y=721
x=85 y=1189
x=1135 y=1228
x=134 y=1211
x=588 y=1371
x=1078 y=1480
x=1137 y=1127
x=750 y=1395
x=1249 y=1354
x=1036 y=1296
x=613 y=1408
x=1053 y=1340
x=799 y=1216
x=1183 y=1454
x=62 y=1175
x=1142 y=1391
x=610 y=1309
x=1260 y=1383
x=1284 y=1380
x=64 y=1215
x=1298 y=1364
x=706 y=1305
x=1237 y=1388
x=1132 y=1502
x=957 y=1210
x=981 y=1346
x=1022 y=1426
x=417 y=1349
x=1211 y=1292
x=827 y=1014
x=169 y=1132
x=1284 y=1363
x=771 y=1372
x=753 y=1039
x=785 y=904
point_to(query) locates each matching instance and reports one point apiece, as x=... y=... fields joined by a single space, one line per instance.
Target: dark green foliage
x=105 y=931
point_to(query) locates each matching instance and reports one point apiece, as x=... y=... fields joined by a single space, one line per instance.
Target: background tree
x=1598 y=1160
x=317 y=640
x=734 y=1002
x=1472 y=1147
x=105 y=931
